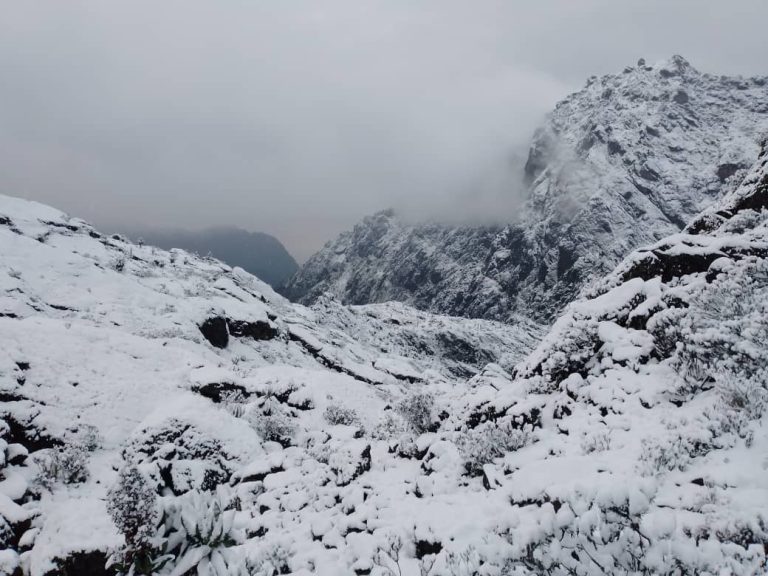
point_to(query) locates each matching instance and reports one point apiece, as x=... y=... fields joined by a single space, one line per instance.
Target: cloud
x=297 y=118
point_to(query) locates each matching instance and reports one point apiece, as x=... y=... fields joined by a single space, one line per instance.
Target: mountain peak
x=630 y=158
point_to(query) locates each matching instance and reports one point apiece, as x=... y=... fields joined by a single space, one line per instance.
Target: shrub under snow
x=336 y=414
x=482 y=445
x=273 y=423
x=132 y=504
x=418 y=410
x=67 y=464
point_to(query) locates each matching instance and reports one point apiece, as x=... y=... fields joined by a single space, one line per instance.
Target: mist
x=298 y=118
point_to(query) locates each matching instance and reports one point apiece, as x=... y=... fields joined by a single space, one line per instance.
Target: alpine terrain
x=626 y=161
x=523 y=410
x=260 y=254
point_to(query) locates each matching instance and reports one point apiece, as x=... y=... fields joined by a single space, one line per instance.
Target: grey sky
x=297 y=118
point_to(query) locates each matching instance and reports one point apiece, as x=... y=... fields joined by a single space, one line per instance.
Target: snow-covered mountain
x=260 y=254
x=160 y=356
x=627 y=160
x=179 y=416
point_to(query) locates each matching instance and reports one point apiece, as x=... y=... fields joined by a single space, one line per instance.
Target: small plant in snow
x=273 y=561
x=118 y=263
x=599 y=441
x=745 y=393
x=197 y=529
x=664 y=455
x=272 y=423
x=86 y=436
x=466 y=563
x=418 y=410
x=482 y=445
x=67 y=464
x=336 y=414
x=132 y=504
x=387 y=555
x=234 y=402
x=388 y=427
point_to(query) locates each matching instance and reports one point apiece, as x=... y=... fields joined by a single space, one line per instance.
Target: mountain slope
x=135 y=352
x=625 y=161
x=226 y=431
x=260 y=254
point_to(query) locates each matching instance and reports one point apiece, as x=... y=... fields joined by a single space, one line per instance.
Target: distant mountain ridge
x=260 y=254
x=621 y=163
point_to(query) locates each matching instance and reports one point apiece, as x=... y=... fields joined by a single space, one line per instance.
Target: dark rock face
x=215 y=331
x=629 y=159
x=258 y=330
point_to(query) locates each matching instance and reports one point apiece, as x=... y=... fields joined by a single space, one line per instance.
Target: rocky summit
x=627 y=160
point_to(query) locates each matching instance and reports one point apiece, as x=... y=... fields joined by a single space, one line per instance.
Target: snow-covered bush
x=336 y=414
x=178 y=457
x=482 y=445
x=726 y=327
x=745 y=393
x=407 y=447
x=273 y=423
x=418 y=410
x=87 y=436
x=132 y=504
x=118 y=263
x=234 y=401
x=272 y=561
x=196 y=531
x=67 y=464
x=576 y=345
x=390 y=426
x=348 y=463
x=664 y=326
x=672 y=452
x=596 y=441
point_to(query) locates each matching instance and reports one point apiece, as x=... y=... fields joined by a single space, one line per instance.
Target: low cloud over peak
x=298 y=118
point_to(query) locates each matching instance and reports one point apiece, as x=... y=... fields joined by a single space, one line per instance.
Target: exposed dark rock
x=427 y=548
x=216 y=390
x=725 y=171
x=26 y=434
x=91 y=563
x=258 y=330
x=681 y=97
x=215 y=331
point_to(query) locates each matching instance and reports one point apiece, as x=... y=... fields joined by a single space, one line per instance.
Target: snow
x=617 y=165
x=626 y=458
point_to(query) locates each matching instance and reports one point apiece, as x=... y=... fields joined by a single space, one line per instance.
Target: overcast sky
x=298 y=117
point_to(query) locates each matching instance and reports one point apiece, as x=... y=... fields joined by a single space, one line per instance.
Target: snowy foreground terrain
x=164 y=412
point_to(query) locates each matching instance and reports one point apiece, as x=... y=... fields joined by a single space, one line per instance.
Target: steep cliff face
x=625 y=161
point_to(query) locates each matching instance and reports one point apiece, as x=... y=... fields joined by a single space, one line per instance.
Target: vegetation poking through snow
x=487 y=442
x=132 y=505
x=337 y=414
x=418 y=411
